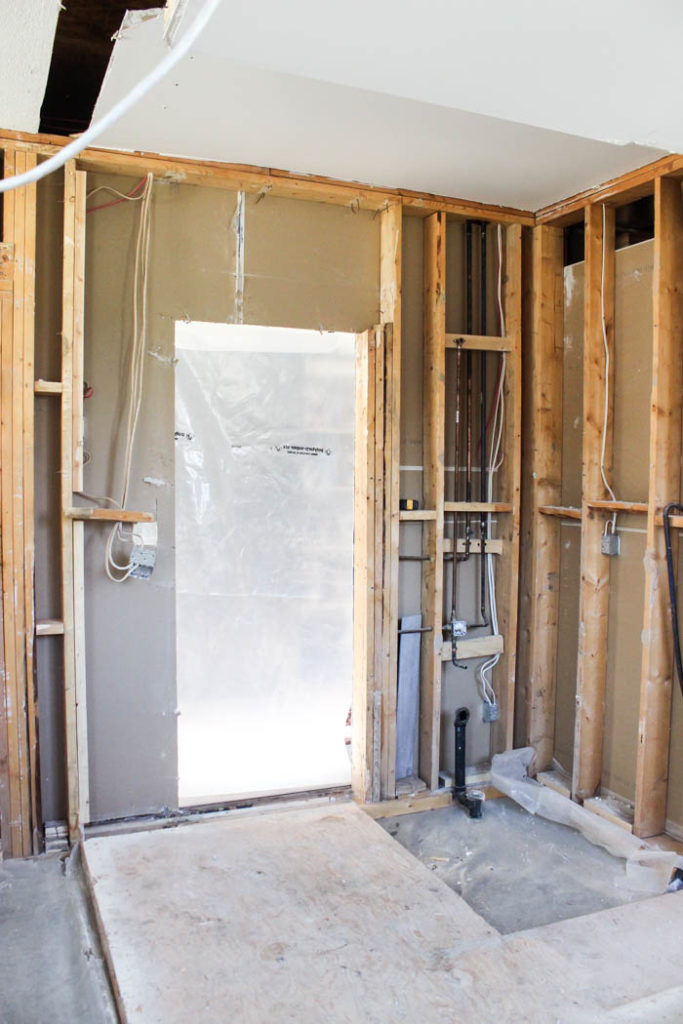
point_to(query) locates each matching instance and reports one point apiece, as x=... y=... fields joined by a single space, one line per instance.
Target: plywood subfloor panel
x=316 y=915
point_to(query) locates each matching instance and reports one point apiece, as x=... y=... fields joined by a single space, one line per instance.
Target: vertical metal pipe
x=469 y=303
x=456 y=462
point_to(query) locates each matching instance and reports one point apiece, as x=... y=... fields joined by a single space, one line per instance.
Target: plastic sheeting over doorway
x=264 y=558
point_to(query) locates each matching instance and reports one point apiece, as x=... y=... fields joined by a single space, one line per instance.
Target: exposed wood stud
x=594 y=593
x=433 y=492
x=654 y=723
x=364 y=779
x=70 y=327
x=19 y=770
x=509 y=483
x=390 y=317
x=545 y=382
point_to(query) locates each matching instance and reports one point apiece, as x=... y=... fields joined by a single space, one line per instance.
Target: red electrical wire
x=115 y=202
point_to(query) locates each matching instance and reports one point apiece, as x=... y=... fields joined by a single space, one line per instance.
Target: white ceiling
x=519 y=104
x=27 y=32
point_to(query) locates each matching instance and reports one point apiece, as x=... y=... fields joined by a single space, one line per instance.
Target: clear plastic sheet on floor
x=647 y=869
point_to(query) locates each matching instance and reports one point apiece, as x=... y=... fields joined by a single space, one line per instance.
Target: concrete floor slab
x=51 y=968
x=517 y=870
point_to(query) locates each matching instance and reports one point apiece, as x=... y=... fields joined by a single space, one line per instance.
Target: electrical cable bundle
x=116 y=571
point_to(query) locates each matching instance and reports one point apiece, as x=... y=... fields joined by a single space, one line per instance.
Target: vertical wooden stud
x=510 y=489
x=390 y=318
x=20 y=802
x=433 y=493
x=664 y=486
x=69 y=323
x=365 y=703
x=544 y=466
x=594 y=596
x=77 y=439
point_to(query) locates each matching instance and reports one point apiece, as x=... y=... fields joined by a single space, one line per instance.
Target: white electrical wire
x=137 y=368
x=606 y=347
x=119 y=109
x=495 y=462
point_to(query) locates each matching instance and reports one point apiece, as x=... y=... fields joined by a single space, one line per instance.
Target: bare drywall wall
x=305 y=265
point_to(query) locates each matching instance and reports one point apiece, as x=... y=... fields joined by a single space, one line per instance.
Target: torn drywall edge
x=647 y=868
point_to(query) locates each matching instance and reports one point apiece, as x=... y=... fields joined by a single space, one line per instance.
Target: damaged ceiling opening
x=84 y=40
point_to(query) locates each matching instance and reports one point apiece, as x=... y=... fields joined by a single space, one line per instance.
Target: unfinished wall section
x=600 y=687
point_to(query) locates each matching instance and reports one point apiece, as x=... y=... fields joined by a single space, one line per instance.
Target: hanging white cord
x=119 y=109
x=495 y=462
x=137 y=367
x=606 y=347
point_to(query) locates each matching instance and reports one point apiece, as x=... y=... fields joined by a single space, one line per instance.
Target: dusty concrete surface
x=51 y=967
x=516 y=870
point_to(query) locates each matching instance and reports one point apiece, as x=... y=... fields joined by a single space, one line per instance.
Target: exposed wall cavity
x=305 y=265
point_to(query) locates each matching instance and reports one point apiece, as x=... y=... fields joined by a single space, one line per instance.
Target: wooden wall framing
x=377 y=479
x=19 y=768
x=663 y=180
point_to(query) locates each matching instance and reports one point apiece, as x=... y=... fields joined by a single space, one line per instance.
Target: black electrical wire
x=673 y=600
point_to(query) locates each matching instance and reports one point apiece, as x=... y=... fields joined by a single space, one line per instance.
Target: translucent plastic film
x=647 y=869
x=264 y=558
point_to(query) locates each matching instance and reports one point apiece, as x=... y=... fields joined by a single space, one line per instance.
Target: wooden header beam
x=266 y=180
x=618 y=191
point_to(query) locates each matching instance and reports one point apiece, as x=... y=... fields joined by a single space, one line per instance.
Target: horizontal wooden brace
x=419 y=515
x=560 y=511
x=48 y=387
x=477 y=506
x=478 y=343
x=49 y=627
x=109 y=515
x=473 y=647
x=618 y=506
x=494 y=546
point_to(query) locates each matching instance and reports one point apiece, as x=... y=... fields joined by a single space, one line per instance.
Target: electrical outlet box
x=145 y=535
x=610 y=544
x=143 y=555
x=490 y=712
